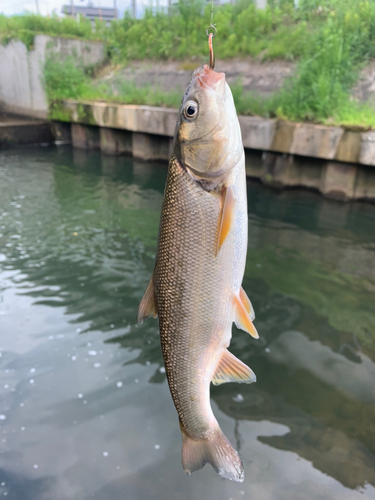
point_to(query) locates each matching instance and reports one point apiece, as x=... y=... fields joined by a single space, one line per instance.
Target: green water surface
x=85 y=410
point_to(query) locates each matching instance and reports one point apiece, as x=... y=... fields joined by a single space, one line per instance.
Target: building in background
x=261 y=4
x=92 y=13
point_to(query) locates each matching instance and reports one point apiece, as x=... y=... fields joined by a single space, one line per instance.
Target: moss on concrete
x=57 y=111
x=85 y=114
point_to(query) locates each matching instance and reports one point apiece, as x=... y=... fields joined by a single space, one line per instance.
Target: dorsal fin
x=231 y=369
x=228 y=201
x=247 y=304
x=242 y=318
x=147 y=307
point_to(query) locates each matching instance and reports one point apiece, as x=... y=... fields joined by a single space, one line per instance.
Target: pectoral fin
x=247 y=304
x=242 y=318
x=147 y=307
x=231 y=369
x=227 y=213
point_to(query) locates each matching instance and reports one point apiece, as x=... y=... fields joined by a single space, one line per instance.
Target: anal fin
x=247 y=304
x=243 y=320
x=147 y=307
x=231 y=369
x=227 y=212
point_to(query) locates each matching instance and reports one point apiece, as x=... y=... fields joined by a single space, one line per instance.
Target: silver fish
x=196 y=288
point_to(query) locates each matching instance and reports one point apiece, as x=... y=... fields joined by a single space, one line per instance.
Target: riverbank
x=327 y=43
x=336 y=161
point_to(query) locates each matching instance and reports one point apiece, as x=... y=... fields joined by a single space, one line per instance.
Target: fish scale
x=192 y=292
x=196 y=288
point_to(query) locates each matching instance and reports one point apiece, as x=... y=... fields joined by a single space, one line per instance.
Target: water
x=85 y=410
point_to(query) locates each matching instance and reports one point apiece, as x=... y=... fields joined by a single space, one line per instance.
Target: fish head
x=208 y=137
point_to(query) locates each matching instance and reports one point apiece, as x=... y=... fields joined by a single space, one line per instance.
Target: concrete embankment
x=15 y=130
x=337 y=162
x=21 y=70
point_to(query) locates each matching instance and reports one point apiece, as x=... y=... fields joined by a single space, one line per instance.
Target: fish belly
x=194 y=290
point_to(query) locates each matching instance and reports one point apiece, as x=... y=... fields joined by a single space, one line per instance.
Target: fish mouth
x=207 y=77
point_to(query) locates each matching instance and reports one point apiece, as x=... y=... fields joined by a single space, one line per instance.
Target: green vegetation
x=65 y=80
x=330 y=40
x=25 y=28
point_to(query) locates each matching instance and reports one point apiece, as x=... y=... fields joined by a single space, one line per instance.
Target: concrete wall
x=337 y=162
x=21 y=70
x=279 y=136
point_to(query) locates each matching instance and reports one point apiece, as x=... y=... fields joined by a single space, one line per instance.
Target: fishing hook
x=211 y=49
x=211 y=34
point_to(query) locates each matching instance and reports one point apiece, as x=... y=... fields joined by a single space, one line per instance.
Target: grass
x=330 y=40
x=243 y=30
x=65 y=80
x=26 y=26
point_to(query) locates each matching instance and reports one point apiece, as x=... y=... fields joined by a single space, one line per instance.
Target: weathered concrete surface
x=337 y=162
x=85 y=136
x=316 y=141
x=151 y=147
x=310 y=140
x=257 y=133
x=284 y=170
x=121 y=142
x=365 y=184
x=116 y=142
x=364 y=89
x=263 y=78
x=15 y=131
x=135 y=118
x=349 y=147
x=283 y=137
x=62 y=132
x=21 y=71
x=339 y=180
x=367 y=150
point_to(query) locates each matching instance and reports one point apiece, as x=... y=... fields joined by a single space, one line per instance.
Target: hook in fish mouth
x=207 y=77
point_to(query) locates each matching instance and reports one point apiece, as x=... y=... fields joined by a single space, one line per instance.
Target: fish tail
x=215 y=450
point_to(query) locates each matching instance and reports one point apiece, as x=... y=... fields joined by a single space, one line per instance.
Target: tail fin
x=217 y=451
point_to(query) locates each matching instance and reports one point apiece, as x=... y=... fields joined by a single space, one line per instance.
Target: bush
x=330 y=39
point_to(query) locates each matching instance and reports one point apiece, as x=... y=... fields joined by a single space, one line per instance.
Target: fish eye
x=190 y=110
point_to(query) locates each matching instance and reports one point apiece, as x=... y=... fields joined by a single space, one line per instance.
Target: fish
x=196 y=286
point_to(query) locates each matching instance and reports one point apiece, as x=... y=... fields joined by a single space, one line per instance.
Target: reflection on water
x=85 y=410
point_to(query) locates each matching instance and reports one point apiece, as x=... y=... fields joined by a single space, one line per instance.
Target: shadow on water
x=24 y=487
x=78 y=235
